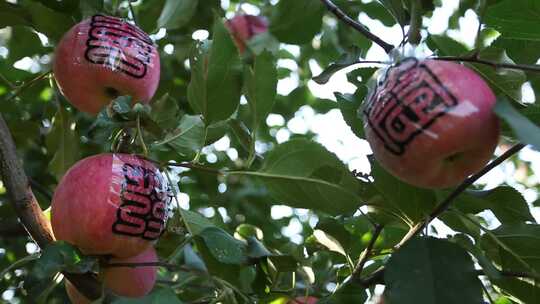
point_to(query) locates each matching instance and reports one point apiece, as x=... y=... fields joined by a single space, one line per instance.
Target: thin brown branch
x=460 y=189
x=357 y=26
x=28 y=209
x=377 y=276
x=18 y=90
x=494 y=64
x=364 y=257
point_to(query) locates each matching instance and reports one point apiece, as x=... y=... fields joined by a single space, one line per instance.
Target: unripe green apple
x=111 y=204
x=74 y=295
x=244 y=27
x=431 y=123
x=102 y=58
x=129 y=281
x=304 y=300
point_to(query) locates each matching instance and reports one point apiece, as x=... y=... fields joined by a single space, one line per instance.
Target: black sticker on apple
x=408 y=100
x=119 y=45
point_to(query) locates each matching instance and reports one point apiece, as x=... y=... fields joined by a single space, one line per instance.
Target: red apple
x=244 y=27
x=304 y=300
x=431 y=123
x=111 y=204
x=74 y=295
x=102 y=58
x=129 y=281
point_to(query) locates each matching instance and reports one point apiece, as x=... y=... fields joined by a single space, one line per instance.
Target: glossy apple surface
x=102 y=58
x=74 y=295
x=133 y=282
x=244 y=27
x=431 y=123
x=111 y=204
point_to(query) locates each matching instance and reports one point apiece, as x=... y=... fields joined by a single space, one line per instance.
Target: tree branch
x=378 y=275
x=364 y=257
x=462 y=187
x=28 y=210
x=494 y=64
x=357 y=26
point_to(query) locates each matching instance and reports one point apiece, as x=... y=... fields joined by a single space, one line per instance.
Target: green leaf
x=47 y=21
x=261 y=84
x=165 y=112
x=507 y=81
x=410 y=202
x=297 y=21
x=195 y=223
x=524 y=242
x=443 y=271
x=215 y=87
x=446 y=46
x=507 y=204
x=64 y=141
x=526 y=131
x=348 y=105
x=188 y=137
x=517 y=19
x=177 y=13
x=13 y=14
x=223 y=246
x=60 y=256
x=346 y=293
x=525 y=291
x=344 y=61
x=329 y=242
x=303 y=174
x=395 y=7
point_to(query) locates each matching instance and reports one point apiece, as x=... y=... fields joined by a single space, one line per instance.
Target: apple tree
x=269 y=151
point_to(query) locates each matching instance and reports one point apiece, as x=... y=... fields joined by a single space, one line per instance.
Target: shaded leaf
x=443 y=271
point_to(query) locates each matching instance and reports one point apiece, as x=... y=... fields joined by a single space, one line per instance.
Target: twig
x=378 y=276
x=132 y=11
x=497 y=65
x=27 y=84
x=462 y=187
x=28 y=209
x=357 y=26
x=364 y=257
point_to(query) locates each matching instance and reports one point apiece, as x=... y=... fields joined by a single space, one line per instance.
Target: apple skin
x=243 y=27
x=133 y=282
x=111 y=204
x=74 y=295
x=447 y=132
x=102 y=58
x=304 y=300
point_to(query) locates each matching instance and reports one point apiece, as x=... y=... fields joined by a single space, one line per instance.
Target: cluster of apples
x=110 y=205
x=116 y=205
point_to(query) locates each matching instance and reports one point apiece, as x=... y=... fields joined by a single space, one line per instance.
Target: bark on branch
x=28 y=209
